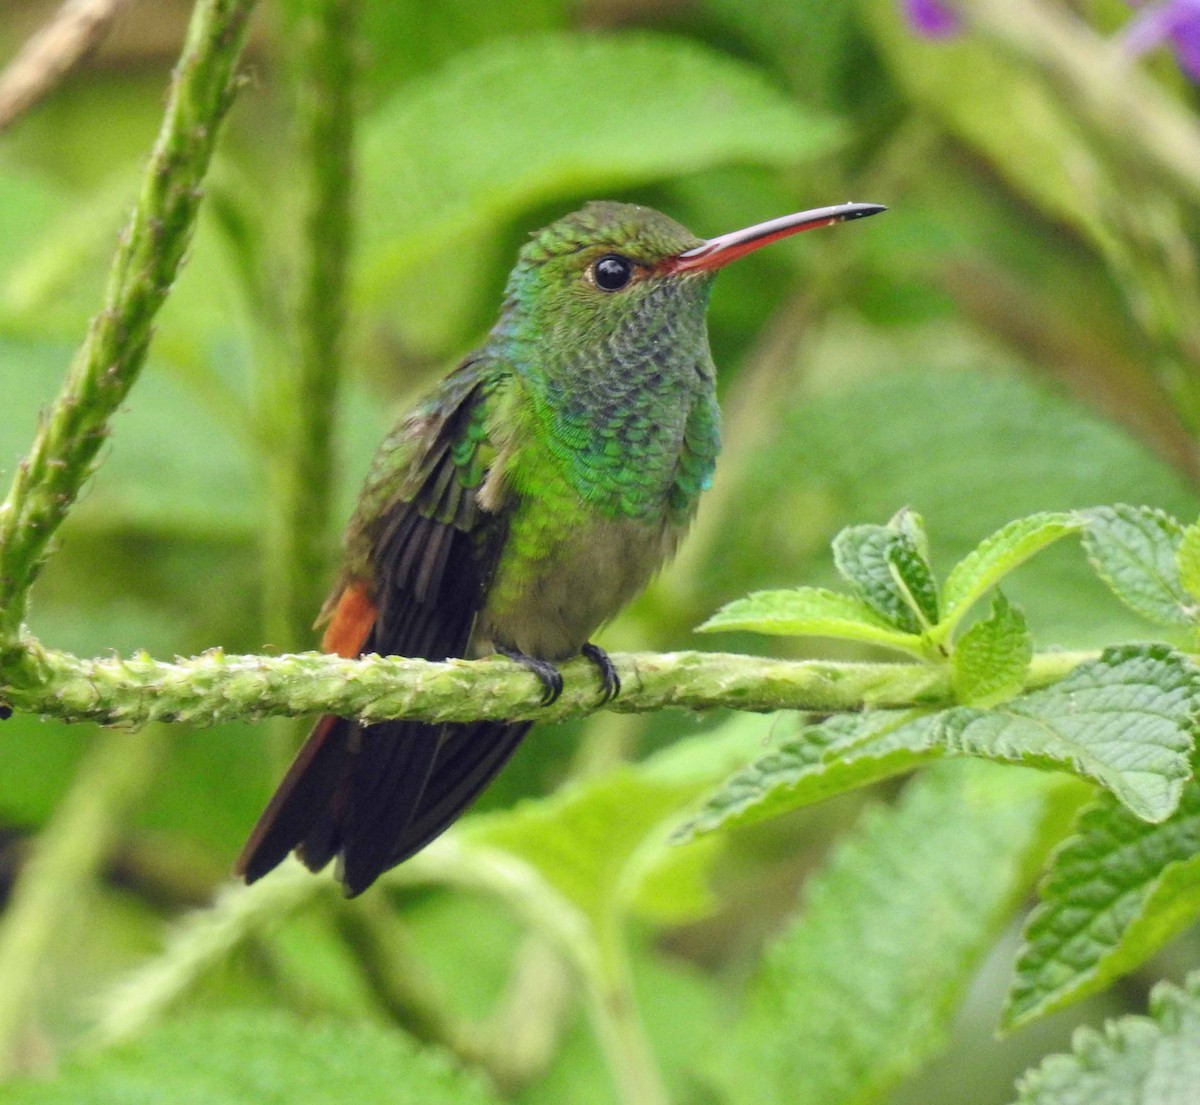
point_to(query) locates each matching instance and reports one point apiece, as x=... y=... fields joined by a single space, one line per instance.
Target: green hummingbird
x=516 y=509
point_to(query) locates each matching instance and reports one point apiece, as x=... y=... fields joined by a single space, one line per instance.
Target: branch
x=214 y=688
x=303 y=392
x=75 y=30
x=147 y=261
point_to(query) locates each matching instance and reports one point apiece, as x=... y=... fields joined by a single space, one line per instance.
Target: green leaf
x=908 y=522
x=811 y=611
x=841 y=753
x=1134 y=550
x=863 y=986
x=1188 y=558
x=1124 y=721
x=259 y=1058
x=519 y=121
x=993 y=558
x=1151 y=1060
x=891 y=575
x=992 y=449
x=603 y=843
x=1116 y=892
x=991 y=659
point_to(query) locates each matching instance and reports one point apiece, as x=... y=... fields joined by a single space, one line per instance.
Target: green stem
x=214 y=688
x=147 y=261
x=303 y=396
x=200 y=940
x=65 y=859
x=618 y=1024
x=1098 y=77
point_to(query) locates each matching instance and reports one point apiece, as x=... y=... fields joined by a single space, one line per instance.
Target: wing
x=418 y=564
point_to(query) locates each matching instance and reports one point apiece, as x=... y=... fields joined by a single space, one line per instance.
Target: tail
x=372 y=796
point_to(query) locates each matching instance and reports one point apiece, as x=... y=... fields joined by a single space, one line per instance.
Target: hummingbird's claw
x=609 y=678
x=550 y=677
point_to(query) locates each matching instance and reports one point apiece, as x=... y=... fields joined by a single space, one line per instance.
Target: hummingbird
x=516 y=509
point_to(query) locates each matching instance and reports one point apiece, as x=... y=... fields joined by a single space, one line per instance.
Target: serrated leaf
x=1125 y=721
x=519 y=121
x=1115 y=893
x=811 y=611
x=1151 y=1060
x=992 y=449
x=862 y=987
x=991 y=659
x=603 y=842
x=1188 y=559
x=994 y=557
x=908 y=522
x=1134 y=549
x=887 y=570
x=841 y=753
x=259 y=1058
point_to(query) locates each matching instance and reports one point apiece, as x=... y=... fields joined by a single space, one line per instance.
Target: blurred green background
x=1020 y=332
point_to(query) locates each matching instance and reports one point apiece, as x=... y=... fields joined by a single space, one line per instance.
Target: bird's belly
x=552 y=591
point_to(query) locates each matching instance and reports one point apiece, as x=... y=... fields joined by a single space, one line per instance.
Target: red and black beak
x=718 y=252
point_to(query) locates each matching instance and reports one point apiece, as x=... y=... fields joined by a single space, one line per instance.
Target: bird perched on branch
x=517 y=508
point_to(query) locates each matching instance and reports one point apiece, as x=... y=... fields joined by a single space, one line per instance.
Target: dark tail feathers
x=373 y=796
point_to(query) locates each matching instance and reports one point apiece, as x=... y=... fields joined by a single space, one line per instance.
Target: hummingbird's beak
x=718 y=252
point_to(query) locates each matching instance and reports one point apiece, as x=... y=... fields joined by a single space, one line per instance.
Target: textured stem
x=304 y=395
x=109 y=780
x=213 y=688
x=147 y=261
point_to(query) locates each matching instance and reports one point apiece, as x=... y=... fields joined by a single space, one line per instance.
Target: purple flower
x=1173 y=21
x=932 y=18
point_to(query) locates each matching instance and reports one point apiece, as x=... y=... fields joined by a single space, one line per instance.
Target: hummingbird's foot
x=609 y=678
x=551 y=678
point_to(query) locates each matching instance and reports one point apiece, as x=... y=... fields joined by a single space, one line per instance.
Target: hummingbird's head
x=598 y=272
x=617 y=280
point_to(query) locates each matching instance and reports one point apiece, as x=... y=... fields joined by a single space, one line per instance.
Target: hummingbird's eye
x=612 y=272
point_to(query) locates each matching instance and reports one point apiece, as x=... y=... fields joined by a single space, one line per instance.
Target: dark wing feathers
x=373 y=795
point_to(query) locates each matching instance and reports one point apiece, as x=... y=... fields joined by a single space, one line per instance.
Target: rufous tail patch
x=351 y=622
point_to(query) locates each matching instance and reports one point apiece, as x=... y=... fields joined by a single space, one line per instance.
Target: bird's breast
x=556 y=584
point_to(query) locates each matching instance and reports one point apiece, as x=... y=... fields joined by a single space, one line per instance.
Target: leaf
x=602 y=843
x=811 y=611
x=259 y=1058
x=992 y=449
x=519 y=121
x=1124 y=721
x=1151 y=1060
x=839 y=754
x=1134 y=549
x=863 y=986
x=887 y=569
x=1117 y=891
x=994 y=557
x=1188 y=559
x=991 y=659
